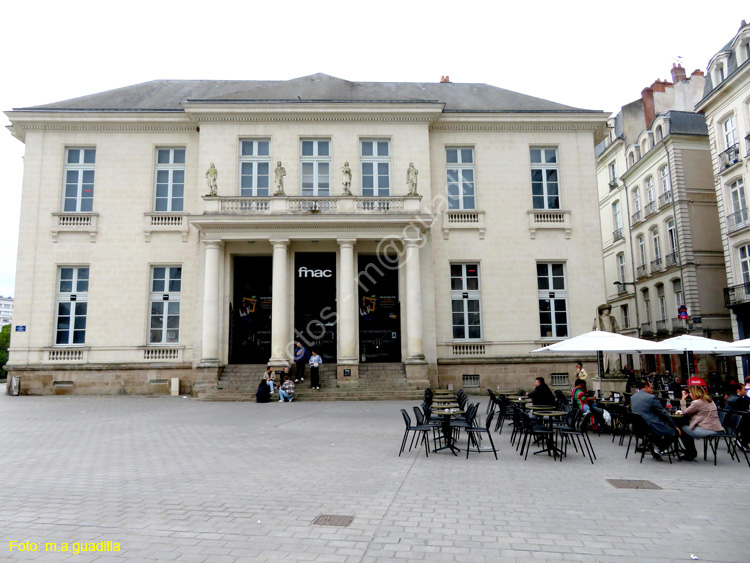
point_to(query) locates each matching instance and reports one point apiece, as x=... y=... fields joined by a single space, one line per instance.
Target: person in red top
x=582 y=401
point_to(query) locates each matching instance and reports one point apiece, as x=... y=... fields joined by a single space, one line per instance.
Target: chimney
x=678 y=73
x=697 y=72
x=647 y=97
x=445 y=79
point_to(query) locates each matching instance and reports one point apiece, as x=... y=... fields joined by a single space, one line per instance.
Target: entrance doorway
x=379 y=312
x=250 y=319
x=315 y=302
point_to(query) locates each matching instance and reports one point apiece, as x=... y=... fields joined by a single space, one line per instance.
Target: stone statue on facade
x=211 y=175
x=411 y=179
x=606 y=322
x=347 y=183
x=279 y=174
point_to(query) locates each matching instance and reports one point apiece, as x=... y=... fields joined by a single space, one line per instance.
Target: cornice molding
x=509 y=127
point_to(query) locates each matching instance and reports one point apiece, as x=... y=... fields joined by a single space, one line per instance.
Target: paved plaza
x=175 y=479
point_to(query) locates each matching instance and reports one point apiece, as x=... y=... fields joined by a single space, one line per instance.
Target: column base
x=347 y=372
x=279 y=363
x=208 y=363
x=417 y=373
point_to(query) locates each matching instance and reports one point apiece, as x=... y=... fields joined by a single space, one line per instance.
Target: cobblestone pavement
x=175 y=479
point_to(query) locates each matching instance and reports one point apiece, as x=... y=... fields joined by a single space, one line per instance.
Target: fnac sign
x=305 y=272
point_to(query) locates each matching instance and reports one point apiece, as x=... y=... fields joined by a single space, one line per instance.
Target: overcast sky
x=592 y=55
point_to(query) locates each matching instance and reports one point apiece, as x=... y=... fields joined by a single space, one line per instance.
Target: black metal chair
x=643 y=438
x=472 y=432
x=573 y=431
x=425 y=430
x=533 y=433
x=730 y=422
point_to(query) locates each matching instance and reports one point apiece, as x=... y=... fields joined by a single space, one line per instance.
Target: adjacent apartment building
x=6 y=310
x=175 y=228
x=726 y=106
x=663 y=259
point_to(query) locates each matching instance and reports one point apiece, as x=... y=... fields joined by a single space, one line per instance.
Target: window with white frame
x=650 y=191
x=316 y=167
x=666 y=184
x=659 y=133
x=466 y=300
x=642 y=249
x=164 y=301
x=170 y=179
x=617 y=216
x=656 y=242
x=545 y=181
x=460 y=177
x=679 y=299
x=662 y=302
x=646 y=304
x=612 y=172
x=255 y=167
x=637 y=200
x=621 y=271
x=375 y=155
x=72 y=305
x=737 y=196
x=553 y=299
x=671 y=236
x=631 y=158
x=729 y=131
x=79 y=180
x=745 y=262
x=625 y=315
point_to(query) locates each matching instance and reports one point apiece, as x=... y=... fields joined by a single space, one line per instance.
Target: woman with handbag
x=315 y=361
x=704 y=419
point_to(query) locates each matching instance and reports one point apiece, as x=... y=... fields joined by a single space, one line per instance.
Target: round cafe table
x=445 y=414
x=549 y=417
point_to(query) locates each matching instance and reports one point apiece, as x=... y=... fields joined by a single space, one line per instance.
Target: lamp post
x=635 y=297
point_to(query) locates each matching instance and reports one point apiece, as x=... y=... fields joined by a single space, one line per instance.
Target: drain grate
x=633 y=484
x=333 y=520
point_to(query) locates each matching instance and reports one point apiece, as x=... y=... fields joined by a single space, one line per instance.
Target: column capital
x=213 y=243
x=346 y=242
x=279 y=242
x=412 y=241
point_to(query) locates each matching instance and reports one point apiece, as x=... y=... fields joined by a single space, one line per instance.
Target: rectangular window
x=553 y=300
x=316 y=167
x=460 y=177
x=465 y=302
x=375 y=158
x=164 y=301
x=677 y=289
x=729 y=128
x=255 y=167
x=545 y=183
x=79 y=180
x=170 y=180
x=72 y=305
x=625 y=312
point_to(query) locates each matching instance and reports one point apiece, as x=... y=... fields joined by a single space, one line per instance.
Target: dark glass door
x=315 y=302
x=379 y=312
x=251 y=310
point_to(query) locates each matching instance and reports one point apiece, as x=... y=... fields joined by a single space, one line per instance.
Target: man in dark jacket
x=542 y=394
x=663 y=429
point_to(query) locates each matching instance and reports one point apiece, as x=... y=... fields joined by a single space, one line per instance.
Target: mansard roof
x=168 y=95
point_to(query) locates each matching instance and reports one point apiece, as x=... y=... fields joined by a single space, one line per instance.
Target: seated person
x=542 y=394
x=736 y=400
x=582 y=401
x=660 y=423
x=263 y=394
x=676 y=387
x=704 y=419
x=269 y=377
x=286 y=392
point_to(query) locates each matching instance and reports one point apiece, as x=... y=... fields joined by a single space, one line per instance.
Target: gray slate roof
x=687 y=123
x=167 y=95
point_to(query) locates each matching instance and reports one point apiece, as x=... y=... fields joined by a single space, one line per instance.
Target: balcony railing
x=729 y=157
x=636 y=217
x=622 y=289
x=737 y=294
x=312 y=204
x=641 y=271
x=678 y=325
x=665 y=199
x=672 y=259
x=737 y=221
x=656 y=265
x=613 y=183
x=616 y=235
x=647 y=329
x=747 y=145
x=650 y=208
x=662 y=327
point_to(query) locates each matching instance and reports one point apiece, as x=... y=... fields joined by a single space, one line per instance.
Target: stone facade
x=466 y=252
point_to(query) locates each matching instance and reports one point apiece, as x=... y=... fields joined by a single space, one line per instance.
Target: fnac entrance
x=315 y=302
x=379 y=312
x=250 y=324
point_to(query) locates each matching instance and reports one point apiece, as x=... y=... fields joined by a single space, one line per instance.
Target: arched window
x=745 y=262
x=656 y=247
x=650 y=191
x=677 y=289
x=642 y=250
x=672 y=242
x=621 y=267
x=616 y=220
x=662 y=302
x=646 y=305
x=738 y=218
x=631 y=158
x=659 y=133
x=666 y=184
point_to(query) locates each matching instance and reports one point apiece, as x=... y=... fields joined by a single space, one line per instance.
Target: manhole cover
x=633 y=484
x=333 y=520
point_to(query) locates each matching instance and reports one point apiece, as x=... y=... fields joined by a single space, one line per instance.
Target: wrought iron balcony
x=737 y=221
x=737 y=294
x=656 y=265
x=747 y=145
x=621 y=289
x=662 y=327
x=647 y=329
x=665 y=199
x=672 y=259
x=641 y=271
x=636 y=217
x=678 y=325
x=729 y=157
x=650 y=208
x=616 y=235
x=613 y=183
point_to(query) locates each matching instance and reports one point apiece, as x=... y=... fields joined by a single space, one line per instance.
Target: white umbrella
x=600 y=341
x=737 y=348
x=691 y=343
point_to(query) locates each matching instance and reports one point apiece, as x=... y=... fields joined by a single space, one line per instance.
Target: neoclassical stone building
x=174 y=228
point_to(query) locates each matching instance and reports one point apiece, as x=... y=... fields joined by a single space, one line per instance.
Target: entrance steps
x=377 y=382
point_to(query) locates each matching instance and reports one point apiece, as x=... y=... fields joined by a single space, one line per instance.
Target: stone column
x=279 y=309
x=414 y=350
x=210 y=354
x=347 y=325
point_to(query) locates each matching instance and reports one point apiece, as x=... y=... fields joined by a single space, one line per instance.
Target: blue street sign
x=20 y=328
